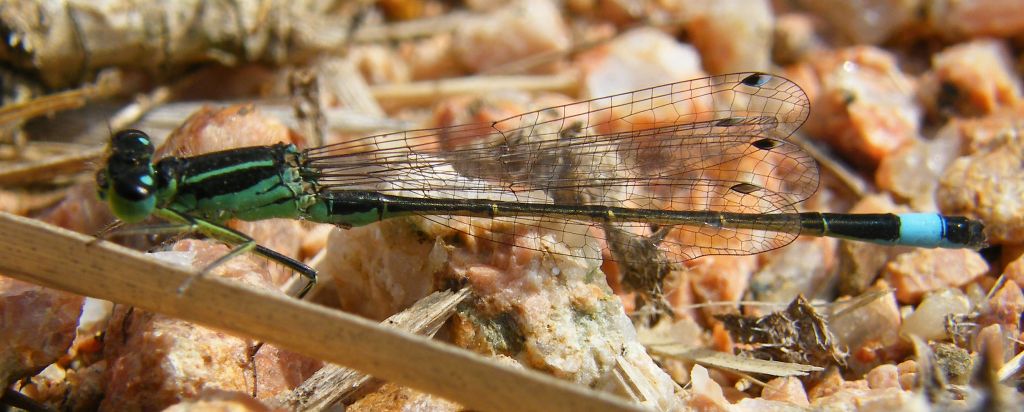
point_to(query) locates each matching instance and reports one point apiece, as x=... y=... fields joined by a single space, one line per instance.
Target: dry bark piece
x=332 y=384
x=64 y=41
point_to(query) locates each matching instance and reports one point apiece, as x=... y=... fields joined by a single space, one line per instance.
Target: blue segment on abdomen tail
x=924 y=230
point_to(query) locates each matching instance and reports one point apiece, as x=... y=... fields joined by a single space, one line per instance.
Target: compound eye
x=132 y=198
x=134 y=186
x=133 y=144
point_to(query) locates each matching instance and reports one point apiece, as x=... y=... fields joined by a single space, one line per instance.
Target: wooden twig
x=421 y=93
x=64 y=41
x=106 y=85
x=333 y=383
x=49 y=168
x=43 y=254
x=168 y=116
x=728 y=361
x=412 y=28
x=857 y=186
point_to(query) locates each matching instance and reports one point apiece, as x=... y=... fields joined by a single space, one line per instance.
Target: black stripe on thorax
x=222 y=173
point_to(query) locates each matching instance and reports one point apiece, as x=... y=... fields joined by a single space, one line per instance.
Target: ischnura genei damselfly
x=706 y=163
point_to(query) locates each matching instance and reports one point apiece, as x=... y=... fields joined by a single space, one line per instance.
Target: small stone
x=955 y=362
x=928 y=321
x=516 y=31
x=977 y=18
x=37 y=326
x=866 y=107
x=972 y=79
x=637 y=59
x=921 y=271
x=732 y=35
x=883 y=376
x=987 y=186
x=788 y=389
x=394 y=397
x=870 y=22
x=1005 y=307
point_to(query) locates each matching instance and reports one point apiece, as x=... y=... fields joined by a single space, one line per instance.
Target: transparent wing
x=712 y=144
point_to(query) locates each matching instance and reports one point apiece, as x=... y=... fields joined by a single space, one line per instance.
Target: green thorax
x=252 y=183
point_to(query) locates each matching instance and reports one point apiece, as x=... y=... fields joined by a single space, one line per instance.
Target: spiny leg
x=299 y=267
x=156 y=229
x=242 y=243
x=117 y=228
x=106 y=231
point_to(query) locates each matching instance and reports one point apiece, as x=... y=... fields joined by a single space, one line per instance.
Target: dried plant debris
x=950 y=379
x=644 y=269
x=1011 y=368
x=732 y=362
x=954 y=362
x=798 y=335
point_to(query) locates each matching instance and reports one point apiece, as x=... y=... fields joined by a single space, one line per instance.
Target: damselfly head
x=127 y=183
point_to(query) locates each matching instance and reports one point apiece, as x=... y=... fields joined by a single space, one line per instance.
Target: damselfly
x=706 y=164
